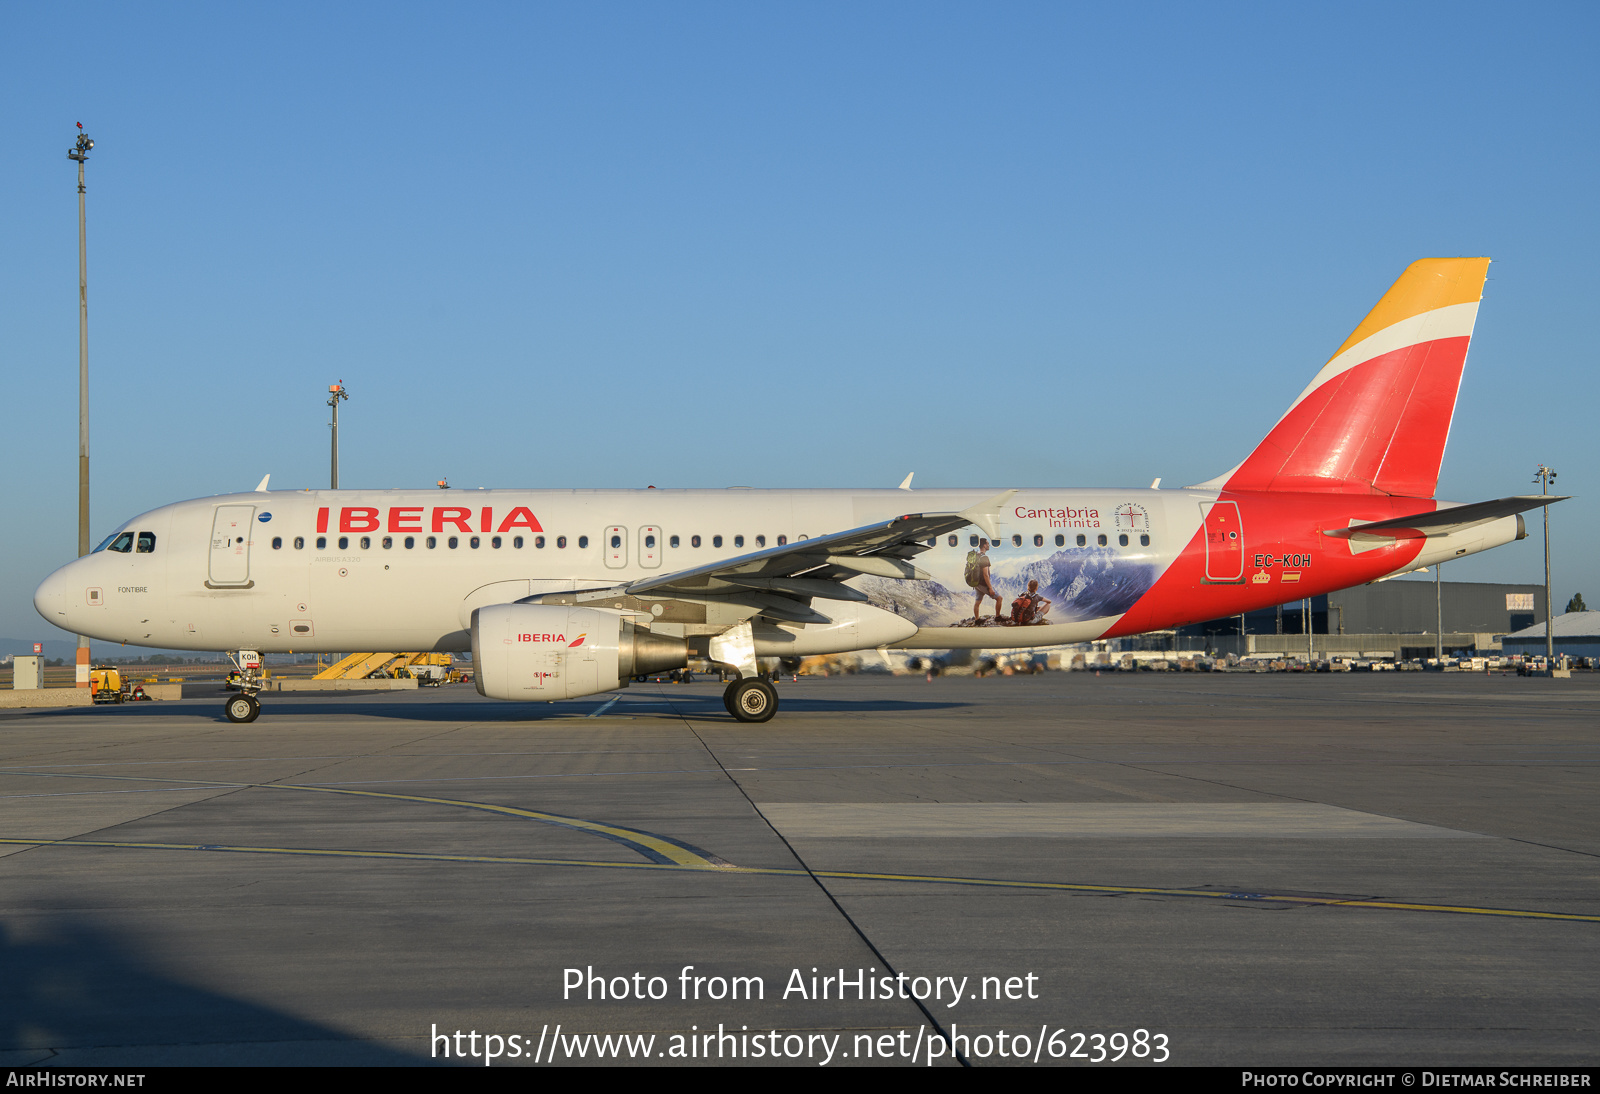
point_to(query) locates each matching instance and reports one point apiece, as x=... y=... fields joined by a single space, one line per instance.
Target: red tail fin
x=1376 y=417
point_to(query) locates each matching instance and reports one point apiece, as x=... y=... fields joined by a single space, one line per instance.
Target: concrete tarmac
x=1249 y=869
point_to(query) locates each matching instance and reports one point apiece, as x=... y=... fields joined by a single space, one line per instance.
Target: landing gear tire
x=751 y=700
x=242 y=708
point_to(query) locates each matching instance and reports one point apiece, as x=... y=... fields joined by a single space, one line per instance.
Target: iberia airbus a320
x=564 y=593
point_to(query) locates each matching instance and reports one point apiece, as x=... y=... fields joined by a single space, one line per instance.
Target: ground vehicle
x=105 y=681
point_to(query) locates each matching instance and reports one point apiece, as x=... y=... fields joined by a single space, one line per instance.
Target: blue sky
x=806 y=245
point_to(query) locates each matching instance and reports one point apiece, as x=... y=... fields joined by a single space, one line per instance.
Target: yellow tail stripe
x=1427 y=284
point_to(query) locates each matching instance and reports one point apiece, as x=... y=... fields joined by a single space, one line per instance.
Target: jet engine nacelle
x=555 y=651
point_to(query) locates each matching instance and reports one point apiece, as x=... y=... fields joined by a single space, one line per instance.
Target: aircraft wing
x=781 y=581
x=1442 y=522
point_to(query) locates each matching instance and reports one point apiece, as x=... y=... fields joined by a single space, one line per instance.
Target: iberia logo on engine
x=545 y=638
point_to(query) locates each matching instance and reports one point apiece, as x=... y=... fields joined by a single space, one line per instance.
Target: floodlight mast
x=336 y=394
x=1544 y=477
x=80 y=152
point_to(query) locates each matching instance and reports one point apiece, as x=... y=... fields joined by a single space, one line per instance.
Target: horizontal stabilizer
x=1442 y=522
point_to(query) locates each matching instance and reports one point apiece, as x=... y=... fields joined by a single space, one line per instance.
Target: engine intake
x=543 y=652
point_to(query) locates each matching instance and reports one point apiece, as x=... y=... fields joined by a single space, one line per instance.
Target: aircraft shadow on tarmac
x=700 y=707
x=80 y=989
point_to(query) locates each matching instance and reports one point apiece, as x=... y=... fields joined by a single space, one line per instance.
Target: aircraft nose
x=53 y=600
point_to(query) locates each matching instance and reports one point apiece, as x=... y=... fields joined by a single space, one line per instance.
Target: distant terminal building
x=1577 y=634
x=1396 y=618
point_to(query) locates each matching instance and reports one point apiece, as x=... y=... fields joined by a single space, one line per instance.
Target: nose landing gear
x=245 y=707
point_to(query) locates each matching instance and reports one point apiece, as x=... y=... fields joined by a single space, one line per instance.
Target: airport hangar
x=1397 y=616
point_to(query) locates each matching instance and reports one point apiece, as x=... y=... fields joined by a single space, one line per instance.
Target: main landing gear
x=245 y=707
x=751 y=699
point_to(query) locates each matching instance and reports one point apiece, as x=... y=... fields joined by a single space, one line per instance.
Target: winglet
x=261 y=487
x=906 y=485
x=986 y=513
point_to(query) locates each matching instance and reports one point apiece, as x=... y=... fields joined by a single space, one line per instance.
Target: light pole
x=1544 y=477
x=80 y=152
x=336 y=393
x=1438 y=613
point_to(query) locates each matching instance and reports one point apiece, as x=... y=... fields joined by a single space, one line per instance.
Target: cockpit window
x=147 y=542
x=123 y=543
x=104 y=543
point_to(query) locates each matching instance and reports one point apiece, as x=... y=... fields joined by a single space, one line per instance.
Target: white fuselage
x=403 y=570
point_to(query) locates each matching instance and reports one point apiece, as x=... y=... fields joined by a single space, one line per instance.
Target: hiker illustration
x=977 y=575
x=1029 y=608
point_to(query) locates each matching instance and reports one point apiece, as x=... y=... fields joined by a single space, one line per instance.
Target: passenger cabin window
x=716 y=541
x=473 y=543
x=694 y=541
x=432 y=542
x=1122 y=540
x=673 y=542
x=782 y=540
x=147 y=543
x=1102 y=538
x=516 y=541
x=277 y=543
x=123 y=543
x=561 y=541
x=616 y=541
x=649 y=541
x=344 y=543
x=366 y=543
x=453 y=542
x=1144 y=541
x=738 y=541
x=1016 y=541
x=388 y=542
x=761 y=541
x=495 y=542
x=954 y=540
x=1083 y=540
x=974 y=541
x=583 y=541
x=300 y=543
x=1061 y=541
x=411 y=542
x=538 y=543
x=322 y=543
x=1038 y=541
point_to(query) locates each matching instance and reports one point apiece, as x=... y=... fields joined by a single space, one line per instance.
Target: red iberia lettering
x=358 y=518
x=487 y=519
x=322 y=520
x=521 y=517
x=405 y=518
x=457 y=515
x=543 y=637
